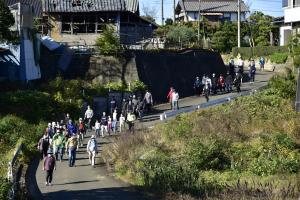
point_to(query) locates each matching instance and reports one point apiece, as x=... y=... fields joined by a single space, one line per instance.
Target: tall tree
x=6 y=21
x=261 y=26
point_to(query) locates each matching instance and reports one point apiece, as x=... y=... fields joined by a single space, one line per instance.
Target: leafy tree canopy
x=181 y=33
x=108 y=42
x=6 y=21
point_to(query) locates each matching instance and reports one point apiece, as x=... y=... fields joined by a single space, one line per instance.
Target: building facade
x=82 y=21
x=212 y=10
x=291 y=24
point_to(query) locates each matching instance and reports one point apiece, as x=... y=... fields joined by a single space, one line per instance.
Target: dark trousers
x=131 y=126
x=72 y=156
x=49 y=176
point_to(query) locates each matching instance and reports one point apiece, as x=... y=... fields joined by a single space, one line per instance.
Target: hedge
x=250 y=52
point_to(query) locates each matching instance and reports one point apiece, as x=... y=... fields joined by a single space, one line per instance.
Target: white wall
x=292 y=14
x=283 y=34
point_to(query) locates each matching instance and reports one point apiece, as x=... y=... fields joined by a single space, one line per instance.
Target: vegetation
x=108 y=42
x=6 y=21
x=250 y=52
x=24 y=114
x=242 y=150
x=279 y=58
x=295 y=50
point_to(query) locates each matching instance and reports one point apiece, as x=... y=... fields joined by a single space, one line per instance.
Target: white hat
x=93 y=137
x=49 y=124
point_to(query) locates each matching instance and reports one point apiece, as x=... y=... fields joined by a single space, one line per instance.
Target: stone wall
x=157 y=69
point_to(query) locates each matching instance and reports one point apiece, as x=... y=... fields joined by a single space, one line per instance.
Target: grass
x=248 y=149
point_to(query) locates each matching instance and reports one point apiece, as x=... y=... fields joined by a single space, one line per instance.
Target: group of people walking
x=64 y=137
x=67 y=136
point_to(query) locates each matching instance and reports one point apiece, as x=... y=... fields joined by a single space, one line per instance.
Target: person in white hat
x=92 y=149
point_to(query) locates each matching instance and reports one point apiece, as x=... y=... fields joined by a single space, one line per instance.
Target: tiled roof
x=89 y=5
x=37 y=5
x=212 y=5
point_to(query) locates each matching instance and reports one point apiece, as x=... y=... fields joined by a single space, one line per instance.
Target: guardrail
x=215 y=102
x=11 y=176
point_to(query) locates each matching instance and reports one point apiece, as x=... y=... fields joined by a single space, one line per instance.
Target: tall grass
x=248 y=149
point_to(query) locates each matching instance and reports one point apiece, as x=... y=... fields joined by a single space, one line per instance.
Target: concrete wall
x=157 y=69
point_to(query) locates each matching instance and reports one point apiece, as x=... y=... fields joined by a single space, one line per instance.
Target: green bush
x=108 y=42
x=279 y=58
x=250 y=52
x=4 y=188
x=30 y=105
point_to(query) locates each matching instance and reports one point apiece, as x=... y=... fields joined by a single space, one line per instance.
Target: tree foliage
x=260 y=27
x=108 y=42
x=6 y=21
x=181 y=34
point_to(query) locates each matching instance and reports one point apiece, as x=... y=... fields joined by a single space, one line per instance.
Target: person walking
x=262 y=63
x=130 y=120
x=252 y=71
x=221 y=83
x=103 y=123
x=81 y=132
x=89 y=113
x=49 y=166
x=148 y=101
x=71 y=128
x=231 y=66
x=197 y=86
x=44 y=144
x=114 y=121
x=92 y=149
x=214 y=84
x=122 y=122
x=206 y=91
x=58 y=143
x=140 y=109
x=97 y=128
x=113 y=105
x=240 y=65
x=169 y=97
x=228 y=82
x=71 y=146
x=175 y=99
x=238 y=81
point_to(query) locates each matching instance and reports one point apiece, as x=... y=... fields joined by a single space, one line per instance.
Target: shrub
x=250 y=52
x=108 y=42
x=23 y=103
x=4 y=188
x=279 y=58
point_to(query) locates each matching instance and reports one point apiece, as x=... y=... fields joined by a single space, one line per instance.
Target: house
x=82 y=21
x=212 y=10
x=21 y=60
x=291 y=25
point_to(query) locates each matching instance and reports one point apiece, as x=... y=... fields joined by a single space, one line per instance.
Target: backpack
x=92 y=145
x=50 y=162
x=81 y=127
x=45 y=143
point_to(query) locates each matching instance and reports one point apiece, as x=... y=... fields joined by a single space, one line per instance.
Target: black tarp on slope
x=160 y=70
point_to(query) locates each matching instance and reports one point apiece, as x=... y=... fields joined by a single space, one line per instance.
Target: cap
x=49 y=151
x=93 y=137
x=80 y=119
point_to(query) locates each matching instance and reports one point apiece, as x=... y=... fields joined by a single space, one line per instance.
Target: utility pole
x=199 y=14
x=162 y=12
x=239 y=23
x=174 y=7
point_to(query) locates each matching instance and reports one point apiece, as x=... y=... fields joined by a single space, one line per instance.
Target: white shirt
x=97 y=125
x=175 y=96
x=122 y=120
x=114 y=116
x=89 y=113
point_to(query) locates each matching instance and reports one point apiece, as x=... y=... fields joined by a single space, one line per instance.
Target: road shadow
x=99 y=194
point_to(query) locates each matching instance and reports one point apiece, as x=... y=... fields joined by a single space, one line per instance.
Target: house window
x=226 y=16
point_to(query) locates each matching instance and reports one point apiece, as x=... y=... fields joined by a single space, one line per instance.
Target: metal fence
x=12 y=172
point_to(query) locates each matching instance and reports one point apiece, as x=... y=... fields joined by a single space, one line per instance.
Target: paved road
x=84 y=182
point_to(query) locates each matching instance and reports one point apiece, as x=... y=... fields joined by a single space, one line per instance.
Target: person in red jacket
x=221 y=83
x=169 y=96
